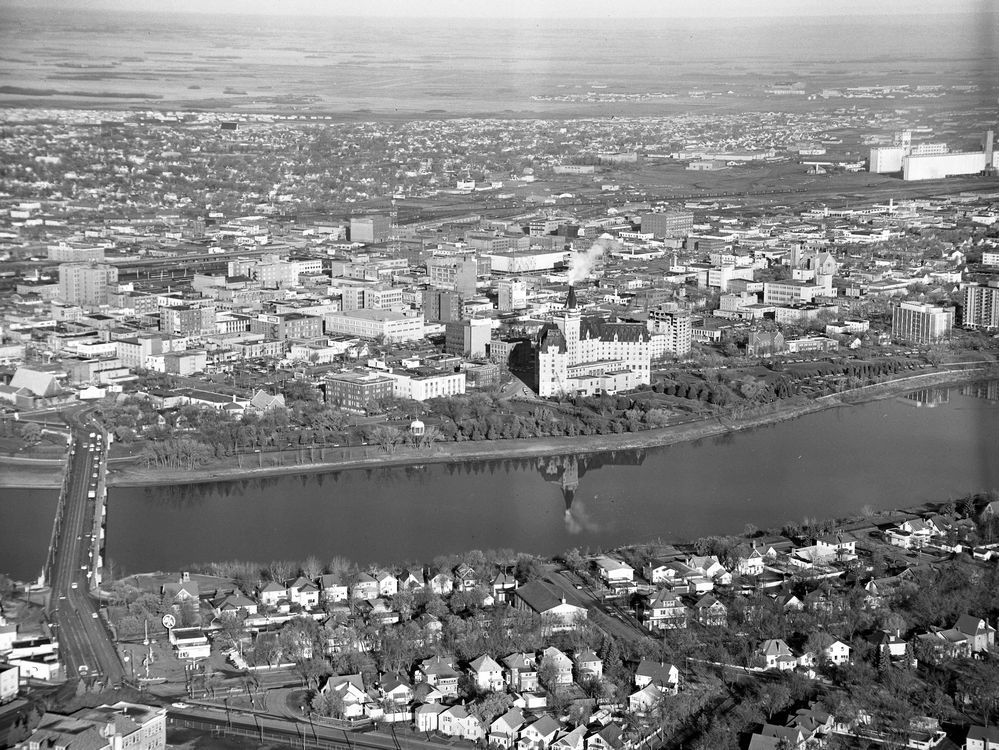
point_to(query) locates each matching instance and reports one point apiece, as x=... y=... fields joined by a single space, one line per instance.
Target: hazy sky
x=531 y=8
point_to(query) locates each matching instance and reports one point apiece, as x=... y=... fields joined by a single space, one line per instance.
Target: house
x=424 y=693
x=271 y=593
x=941 y=644
x=378 y=611
x=777 y=655
x=440 y=582
x=665 y=676
x=589 y=666
x=645 y=699
x=574 y=739
x=912 y=534
x=831 y=650
x=332 y=589
x=486 y=673
x=351 y=689
x=503 y=585
x=556 y=660
x=792 y=603
x=750 y=564
x=657 y=571
x=190 y=643
x=839 y=547
x=695 y=581
x=455 y=721
x=184 y=590
x=556 y=613
x=613 y=572
x=883 y=640
x=709 y=611
x=395 y=690
x=774 y=736
x=440 y=672
x=980 y=633
x=431 y=627
x=10 y=681
x=665 y=611
x=504 y=729
x=465 y=577
x=234 y=604
x=304 y=592
x=539 y=734
x=813 y=721
x=425 y=716
x=710 y=567
x=366 y=587
x=522 y=673
x=982 y=738
x=388 y=585
x=408 y=581
x=609 y=737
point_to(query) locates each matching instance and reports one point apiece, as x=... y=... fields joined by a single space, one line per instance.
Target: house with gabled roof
x=664 y=611
x=332 y=588
x=439 y=582
x=561 y=663
x=407 y=580
x=750 y=564
x=574 y=739
x=466 y=578
x=425 y=716
x=831 y=650
x=556 y=613
x=234 y=604
x=522 y=672
x=365 y=587
x=777 y=655
x=539 y=734
x=455 y=721
x=504 y=729
x=649 y=672
x=711 y=612
x=710 y=567
x=609 y=737
x=982 y=738
x=486 y=673
x=589 y=666
x=182 y=591
x=271 y=593
x=262 y=402
x=645 y=699
x=304 y=592
x=980 y=633
x=440 y=672
x=504 y=584
x=351 y=689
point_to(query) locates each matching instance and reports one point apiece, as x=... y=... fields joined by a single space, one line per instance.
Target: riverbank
x=128 y=473
x=136 y=476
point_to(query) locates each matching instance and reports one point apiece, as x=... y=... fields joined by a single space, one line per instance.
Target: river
x=928 y=445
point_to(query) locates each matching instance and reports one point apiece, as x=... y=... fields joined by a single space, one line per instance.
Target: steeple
x=571 y=298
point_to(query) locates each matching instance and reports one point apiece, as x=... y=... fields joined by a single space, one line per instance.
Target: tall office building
x=980 y=310
x=86 y=284
x=370 y=229
x=512 y=294
x=452 y=272
x=442 y=305
x=921 y=323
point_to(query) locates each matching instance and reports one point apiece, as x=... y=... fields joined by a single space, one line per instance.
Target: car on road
x=180 y=705
x=62 y=597
x=94 y=615
x=73 y=585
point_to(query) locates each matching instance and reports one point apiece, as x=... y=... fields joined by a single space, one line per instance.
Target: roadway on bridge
x=83 y=639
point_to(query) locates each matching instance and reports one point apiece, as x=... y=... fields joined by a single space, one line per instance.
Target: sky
x=568 y=9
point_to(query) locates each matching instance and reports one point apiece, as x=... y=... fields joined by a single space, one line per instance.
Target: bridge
x=72 y=567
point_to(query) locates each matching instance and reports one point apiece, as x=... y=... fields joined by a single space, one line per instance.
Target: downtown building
x=578 y=355
x=86 y=284
x=980 y=308
x=921 y=323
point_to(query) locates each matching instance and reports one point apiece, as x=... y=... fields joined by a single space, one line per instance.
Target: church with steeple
x=586 y=355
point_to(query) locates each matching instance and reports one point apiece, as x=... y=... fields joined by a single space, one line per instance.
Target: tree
x=328 y=704
x=312 y=567
x=387 y=437
x=311 y=671
x=31 y=432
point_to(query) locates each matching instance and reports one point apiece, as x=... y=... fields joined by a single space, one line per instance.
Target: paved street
x=83 y=639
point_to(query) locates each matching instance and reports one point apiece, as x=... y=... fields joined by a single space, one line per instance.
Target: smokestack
x=571 y=298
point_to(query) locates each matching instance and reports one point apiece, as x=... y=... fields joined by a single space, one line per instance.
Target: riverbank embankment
x=130 y=473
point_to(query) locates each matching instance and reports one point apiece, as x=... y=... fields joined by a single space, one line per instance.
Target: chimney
x=571 y=298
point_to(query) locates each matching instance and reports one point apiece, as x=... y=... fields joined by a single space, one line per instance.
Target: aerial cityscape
x=529 y=376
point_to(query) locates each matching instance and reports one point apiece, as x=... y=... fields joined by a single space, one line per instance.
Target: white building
x=421 y=387
x=371 y=324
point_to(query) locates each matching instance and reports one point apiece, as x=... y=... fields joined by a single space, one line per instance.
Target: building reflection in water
x=927 y=397
x=988 y=390
x=567 y=471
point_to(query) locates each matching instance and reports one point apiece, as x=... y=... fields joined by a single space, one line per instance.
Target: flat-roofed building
x=86 y=284
x=922 y=323
x=667 y=224
x=980 y=308
x=356 y=391
x=371 y=324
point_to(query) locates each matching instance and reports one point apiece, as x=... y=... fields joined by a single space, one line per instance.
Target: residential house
x=304 y=592
x=396 y=690
x=665 y=676
x=539 y=734
x=574 y=739
x=407 y=580
x=589 y=666
x=388 y=585
x=912 y=534
x=234 y=604
x=980 y=633
x=184 y=590
x=440 y=672
x=366 y=587
x=665 y=611
x=841 y=548
x=504 y=729
x=440 y=582
x=773 y=736
x=465 y=577
x=658 y=571
x=831 y=650
x=556 y=613
x=813 y=721
x=430 y=627
x=609 y=737
x=613 y=572
x=455 y=721
x=684 y=576
x=425 y=716
x=709 y=611
x=553 y=658
x=503 y=585
x=271 y=593
x=486 y=673
x=351 y=689
x=710 y=567
x=378 y=611
x=332 y=589
x=792 y=603
x=645 y=699
x=522 y=672
x=884 y=640
x=777 y=655
x=982 y=738
x=750 y=564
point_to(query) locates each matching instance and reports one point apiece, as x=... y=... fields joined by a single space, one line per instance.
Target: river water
x=926 y=446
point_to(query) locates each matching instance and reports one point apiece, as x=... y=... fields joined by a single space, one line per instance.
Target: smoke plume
x=582 y=262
